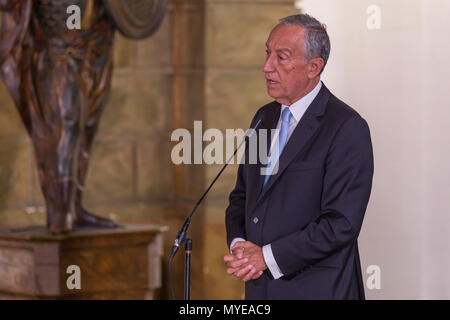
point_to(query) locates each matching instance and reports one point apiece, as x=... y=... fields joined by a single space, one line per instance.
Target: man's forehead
x=286 y=37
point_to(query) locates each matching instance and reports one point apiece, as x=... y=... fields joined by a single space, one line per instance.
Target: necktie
x=282 y=138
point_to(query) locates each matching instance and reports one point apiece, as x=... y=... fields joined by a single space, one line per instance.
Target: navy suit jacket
x=312 y=209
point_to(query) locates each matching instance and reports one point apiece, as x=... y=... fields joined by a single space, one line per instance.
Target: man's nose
x=268 y=65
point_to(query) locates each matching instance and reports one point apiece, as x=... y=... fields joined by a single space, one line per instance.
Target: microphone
x=181 y=237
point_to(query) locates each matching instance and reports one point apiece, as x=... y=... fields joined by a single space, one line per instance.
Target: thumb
x=237 y=245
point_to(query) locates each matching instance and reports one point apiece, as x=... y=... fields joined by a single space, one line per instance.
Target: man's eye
x=281 y=58
x=267 y=52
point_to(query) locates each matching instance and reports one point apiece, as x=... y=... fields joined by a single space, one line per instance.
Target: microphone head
x=259 y=120
x=251 y=130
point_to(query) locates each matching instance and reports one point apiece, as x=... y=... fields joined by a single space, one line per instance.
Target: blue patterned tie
x=282 y=138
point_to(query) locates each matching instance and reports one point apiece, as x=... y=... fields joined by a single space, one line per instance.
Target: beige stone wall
x=204 y=63
x=236 y=33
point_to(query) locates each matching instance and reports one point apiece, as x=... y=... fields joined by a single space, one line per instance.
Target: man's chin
x=277 y=97
x=272 y=93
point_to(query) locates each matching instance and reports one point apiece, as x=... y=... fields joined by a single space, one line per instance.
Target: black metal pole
x=187 y=269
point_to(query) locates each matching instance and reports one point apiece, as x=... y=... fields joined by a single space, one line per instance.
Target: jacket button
x=255 y=220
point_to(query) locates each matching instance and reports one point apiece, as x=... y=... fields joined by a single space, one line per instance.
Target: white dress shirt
x=298 y=108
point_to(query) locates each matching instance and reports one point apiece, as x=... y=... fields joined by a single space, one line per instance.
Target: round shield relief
x=136 y=19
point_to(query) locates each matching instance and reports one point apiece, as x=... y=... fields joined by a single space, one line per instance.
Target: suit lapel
x=305 y=129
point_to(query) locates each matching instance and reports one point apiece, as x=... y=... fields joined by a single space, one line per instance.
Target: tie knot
x=286 y=115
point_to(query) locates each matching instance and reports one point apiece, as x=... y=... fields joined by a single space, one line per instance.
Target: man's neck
x=310 y=87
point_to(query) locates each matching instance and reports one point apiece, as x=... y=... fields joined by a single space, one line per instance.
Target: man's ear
x=315 y=67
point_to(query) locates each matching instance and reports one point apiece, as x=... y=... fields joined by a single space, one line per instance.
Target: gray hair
x=317 y=42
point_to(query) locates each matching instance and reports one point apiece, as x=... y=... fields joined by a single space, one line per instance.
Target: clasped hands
x=246 y=261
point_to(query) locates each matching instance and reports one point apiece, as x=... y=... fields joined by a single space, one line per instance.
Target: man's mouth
x=271 y=82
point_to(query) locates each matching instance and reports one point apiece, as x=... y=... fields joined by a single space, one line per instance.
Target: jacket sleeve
x=235 y=213
x=345 y=195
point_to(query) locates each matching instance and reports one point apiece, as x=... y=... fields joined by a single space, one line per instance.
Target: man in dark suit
x=293 y=231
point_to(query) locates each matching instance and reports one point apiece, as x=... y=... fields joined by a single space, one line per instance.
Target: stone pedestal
x=122 y=263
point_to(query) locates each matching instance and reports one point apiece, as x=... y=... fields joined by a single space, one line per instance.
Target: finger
x=237 y=263
x=231 y=271
x=249 y=275
x=246 y=244
x=239 y=244
x=228 y=258
x=241 y=273
x=257 y=275
x=238 y=252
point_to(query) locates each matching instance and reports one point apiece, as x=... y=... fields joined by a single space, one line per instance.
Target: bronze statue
x=59 y=80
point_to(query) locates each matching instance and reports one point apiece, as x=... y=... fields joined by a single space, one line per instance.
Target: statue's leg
x=21 y=71
x=59 y=96
x=99 y=68
x=29 y=81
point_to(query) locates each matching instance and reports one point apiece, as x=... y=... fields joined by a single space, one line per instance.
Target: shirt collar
x=299 y=107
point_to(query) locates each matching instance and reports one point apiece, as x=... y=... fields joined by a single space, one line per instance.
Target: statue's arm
x=7 y=5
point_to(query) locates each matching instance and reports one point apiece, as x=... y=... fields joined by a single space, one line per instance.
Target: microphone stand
x=181 y=237
x=187 y=269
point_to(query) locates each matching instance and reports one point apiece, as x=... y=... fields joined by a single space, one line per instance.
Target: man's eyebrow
x=284 y=50
x=287 y=50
